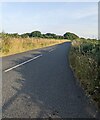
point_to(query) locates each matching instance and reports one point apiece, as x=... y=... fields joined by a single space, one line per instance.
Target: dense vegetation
x=70 y=36
x=85 y=62
x=67 y=35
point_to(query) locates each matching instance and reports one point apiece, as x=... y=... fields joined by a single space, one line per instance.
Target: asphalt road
x=41 y=84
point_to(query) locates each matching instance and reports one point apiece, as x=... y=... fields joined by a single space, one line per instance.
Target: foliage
x=6 y=35
x=70 y=36
x=35 y=34
x=85 y=61
x=50 y=35
x=25 y=35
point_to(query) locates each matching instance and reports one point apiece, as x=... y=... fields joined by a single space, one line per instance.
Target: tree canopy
x=38 y=34
x=70 y=36
x=35 y=34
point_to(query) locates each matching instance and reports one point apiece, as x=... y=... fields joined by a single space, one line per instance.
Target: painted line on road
x=22 y=63
x=51 y=50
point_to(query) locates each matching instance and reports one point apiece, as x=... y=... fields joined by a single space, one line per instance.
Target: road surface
x=41 y=84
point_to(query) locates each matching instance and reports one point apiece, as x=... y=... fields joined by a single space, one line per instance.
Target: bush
x=86 y=47
x=86 y=65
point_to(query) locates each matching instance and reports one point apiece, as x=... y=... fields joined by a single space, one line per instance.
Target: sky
x=54 y=17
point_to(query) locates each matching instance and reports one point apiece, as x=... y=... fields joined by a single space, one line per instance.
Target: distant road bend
x=40 y=84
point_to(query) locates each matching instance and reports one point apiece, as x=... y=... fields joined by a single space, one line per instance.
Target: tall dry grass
x=9 y=46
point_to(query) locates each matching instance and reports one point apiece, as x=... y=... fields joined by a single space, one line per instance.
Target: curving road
x=40 y=84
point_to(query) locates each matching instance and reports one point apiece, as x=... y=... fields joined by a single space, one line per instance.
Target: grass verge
x=85 y=62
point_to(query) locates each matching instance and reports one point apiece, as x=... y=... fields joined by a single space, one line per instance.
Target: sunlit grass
x=11 y=46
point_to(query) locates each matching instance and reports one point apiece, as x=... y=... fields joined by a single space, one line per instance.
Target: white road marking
x=51 y=50
x=22 y=63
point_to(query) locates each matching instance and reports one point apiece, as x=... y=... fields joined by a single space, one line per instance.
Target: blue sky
x=78 y=17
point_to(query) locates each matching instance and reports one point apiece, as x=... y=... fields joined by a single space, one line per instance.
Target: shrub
x=86 y=65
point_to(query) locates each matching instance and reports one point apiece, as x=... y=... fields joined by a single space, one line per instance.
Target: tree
x=25 y=35
x=70 y=36
x=82 y=38
x=35 y=34
x=50 y=35
x=59 y=37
